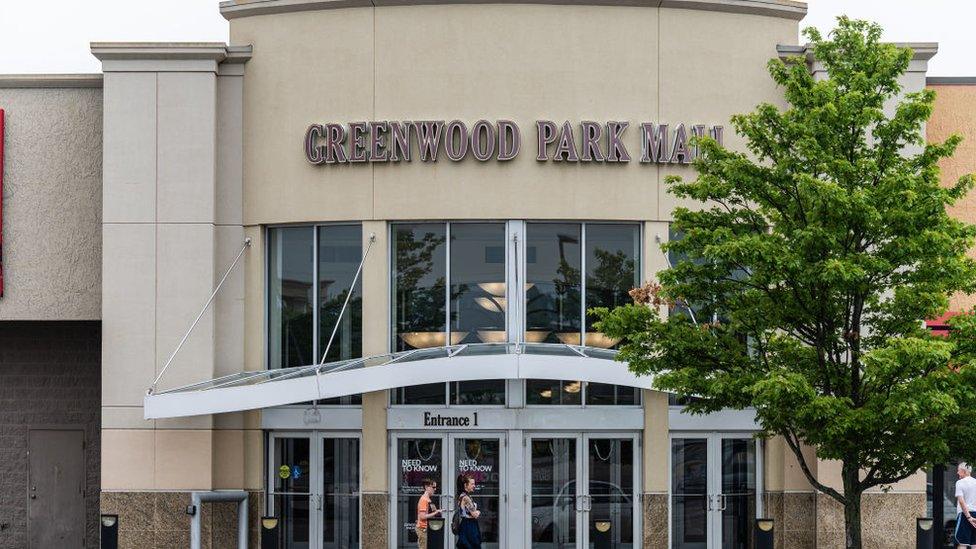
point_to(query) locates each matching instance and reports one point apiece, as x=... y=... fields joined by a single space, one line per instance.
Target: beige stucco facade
x=52 y=202
x=203 y=151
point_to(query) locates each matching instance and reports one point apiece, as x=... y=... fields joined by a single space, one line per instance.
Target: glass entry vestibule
x=583 y=491
x=715 y=481
x=441 y=459
x=545 y=490
x=315 y=489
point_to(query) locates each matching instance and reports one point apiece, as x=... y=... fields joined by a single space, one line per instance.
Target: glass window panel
x=612 y=253
x=480 y=459
x=417 y=459
x=603 y=394
x=611 y=487
x=419 y=295
x=293 y=514
x=340 y=252
x=738 y=492
x=482 y=392
x=552 y=391
x=430 y=394
x=553 y=307
x=689 y=475
x=340 y=499
x=291 y=465
x=478 y=300
x=553 y=498
x=290 y=299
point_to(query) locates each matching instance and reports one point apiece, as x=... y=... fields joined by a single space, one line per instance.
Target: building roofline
x=951 y=80
x=787 y=9
x=211 y=51
x=923 y=50
x=8 y=81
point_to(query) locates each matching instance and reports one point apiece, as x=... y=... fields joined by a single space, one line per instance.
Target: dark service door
x=56 y=488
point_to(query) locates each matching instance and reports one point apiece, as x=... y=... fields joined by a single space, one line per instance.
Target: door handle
x=723 y=502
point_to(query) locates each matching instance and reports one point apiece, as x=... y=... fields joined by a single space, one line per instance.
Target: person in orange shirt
x=425 y=510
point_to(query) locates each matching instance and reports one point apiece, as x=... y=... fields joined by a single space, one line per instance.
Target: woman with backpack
x=466 y=527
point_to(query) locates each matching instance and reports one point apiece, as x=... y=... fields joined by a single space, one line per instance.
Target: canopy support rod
x=247 y=244
x=667 y=259
x=352 y=288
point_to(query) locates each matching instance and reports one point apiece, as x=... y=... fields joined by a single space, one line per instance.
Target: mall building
x=354 y=249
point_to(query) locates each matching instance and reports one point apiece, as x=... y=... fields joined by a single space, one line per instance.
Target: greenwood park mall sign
x=428 y=140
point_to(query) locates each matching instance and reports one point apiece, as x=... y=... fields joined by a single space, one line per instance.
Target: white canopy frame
x=254 y=390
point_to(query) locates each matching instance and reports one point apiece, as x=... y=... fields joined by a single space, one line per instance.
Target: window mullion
x=447 y=301
x=315 y=294
x=583 y=284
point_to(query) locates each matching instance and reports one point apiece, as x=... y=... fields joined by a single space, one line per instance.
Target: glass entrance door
x=582 y=491
x=442 y=459
x=714 y=487
x=314 y=480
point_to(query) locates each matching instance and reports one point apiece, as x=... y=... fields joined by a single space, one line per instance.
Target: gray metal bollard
x=923 y=533
x=765 y=527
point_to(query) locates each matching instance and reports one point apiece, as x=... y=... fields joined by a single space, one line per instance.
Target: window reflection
x=419 y=257
x=478 y=296
x=290 y=286
x=611 y=272
x=553 y=261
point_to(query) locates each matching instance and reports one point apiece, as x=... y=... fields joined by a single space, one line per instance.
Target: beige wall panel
x=376 y=340
x=230 y=150
x=128 y=312
x=254 y=296
x=128 y=459
x=125 y=417
x=549 y=62
x=376 y=293
x=228 y=460
x=955 y=113
x=186 y=153
x=716 y=67
x=657 y=445
x=829 y=473
x=52 y=200
x=184 y=460
x=254 y=460
x=129 y=188
x=185 y=273
x=290 y=83
x=793 y=477
x=375 y=451
x=229 y=303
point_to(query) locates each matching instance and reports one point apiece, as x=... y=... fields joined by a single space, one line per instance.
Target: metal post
x=764 y=529
x=110 y=531
x=923 y=533
x=270 y=533
x=197 y=498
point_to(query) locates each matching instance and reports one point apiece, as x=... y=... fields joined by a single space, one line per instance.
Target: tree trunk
x=852 y=506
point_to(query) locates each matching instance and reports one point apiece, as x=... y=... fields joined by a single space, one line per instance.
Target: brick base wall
x=50 y=374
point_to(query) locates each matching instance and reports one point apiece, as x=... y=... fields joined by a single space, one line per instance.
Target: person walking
x=469 y=533
x=966 y=507
x=426 y=510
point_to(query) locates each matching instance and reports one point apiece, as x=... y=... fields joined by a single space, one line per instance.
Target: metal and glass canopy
x=467 y=362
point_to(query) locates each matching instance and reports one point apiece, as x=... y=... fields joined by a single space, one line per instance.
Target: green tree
x=813 y=263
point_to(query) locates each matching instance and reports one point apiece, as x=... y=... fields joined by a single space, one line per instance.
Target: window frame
x=316 y=336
